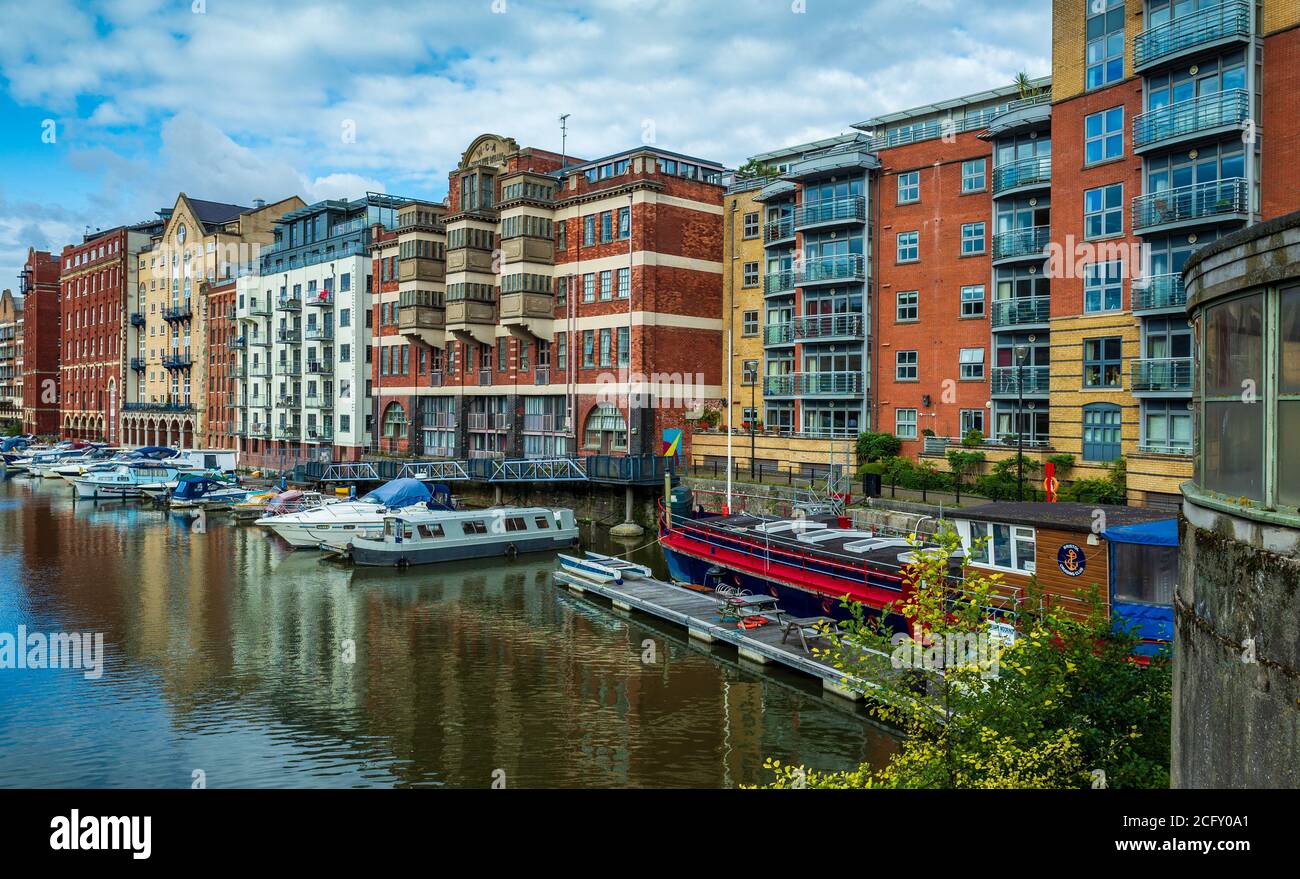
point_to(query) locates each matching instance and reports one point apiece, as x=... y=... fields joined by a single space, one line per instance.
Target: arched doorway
x=605 y=430
x=394 y=426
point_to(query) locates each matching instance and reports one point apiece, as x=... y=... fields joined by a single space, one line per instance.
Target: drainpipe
x=1252 y=59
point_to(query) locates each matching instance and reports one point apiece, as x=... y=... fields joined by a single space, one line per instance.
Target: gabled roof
x=213 y=213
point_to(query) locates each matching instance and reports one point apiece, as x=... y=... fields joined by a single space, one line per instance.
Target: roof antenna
x=564 y=139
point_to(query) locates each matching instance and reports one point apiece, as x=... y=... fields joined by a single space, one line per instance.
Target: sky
x=109 y=109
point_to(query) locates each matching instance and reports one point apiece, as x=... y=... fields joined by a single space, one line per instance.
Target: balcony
x=178 y=313
x=1226 y=23
x=1029 y=242
x=257 y=308
x=288 y=335
x=1209 y=202
x=1159 y=293
x=1023 y=175
x=320 y=401
x=319 y=334
x=237 y=344
x=776 y=231
x=239 y=372
x=814 y=328
x=1171 y=375
x=423 y=322
x=287 y=432
x=322 y=433
x=1205 y=116
x=831 y=270
x=289 y=303
x=288 y=401
x=320 y=367
x=541 y=423
x=259 y=430
x=776 y=283
x=834 y=211
x=137 y=363
x=1006 y=381
x=528 y=315
x=259 y=370
x=814 y=384
x=177 y=360
x=137 y=319
x=288 y=368
x=320 y=299
x=259 y=341
x=489 y=421
x=1024 y=311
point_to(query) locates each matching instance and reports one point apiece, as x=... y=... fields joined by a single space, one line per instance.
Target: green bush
x=1064 y=462
x=1000 y=484
x=973 y=438
x=878 y=446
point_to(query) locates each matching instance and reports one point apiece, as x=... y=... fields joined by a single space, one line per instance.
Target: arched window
x=1101 y=432
x=394 y=421
x=605 y=429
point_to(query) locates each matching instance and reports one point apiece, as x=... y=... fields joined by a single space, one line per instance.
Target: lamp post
x=753 y=416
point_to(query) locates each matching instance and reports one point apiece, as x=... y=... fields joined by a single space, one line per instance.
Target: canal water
x=229 y=655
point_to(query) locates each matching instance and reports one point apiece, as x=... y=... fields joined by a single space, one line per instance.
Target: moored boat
x=334 y=525
x=194 y=490
x=427 y=537
x=124 y=480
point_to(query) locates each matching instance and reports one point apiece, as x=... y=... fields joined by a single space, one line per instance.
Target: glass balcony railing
x=1009 y=380
x=288 y=335
x=807 y=384
x=852 y=209
x=779 y=282
x=1186 y=33
x=814 y=327
x=1162 y=374
x=256 y=308
x=1029 y=241
x=1208 y=112
x=1159 y=292
x=1034 y=171
x=1025 y=310
x=318 y=334
x=778 y=230
x=831 y=269
x=1200 y=201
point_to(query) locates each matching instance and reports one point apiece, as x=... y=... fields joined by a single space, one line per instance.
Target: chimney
x=259 y=203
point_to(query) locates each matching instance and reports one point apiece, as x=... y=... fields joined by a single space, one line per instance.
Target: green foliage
x=973 y=438
x=711 y=418
x=1000 y=483
x=963 y=464
x=1110 y=489
x=1063 y=461
x=755 y=169
x=1064 y=700
x=12 y=428
x=876 y=468
x=877 y=446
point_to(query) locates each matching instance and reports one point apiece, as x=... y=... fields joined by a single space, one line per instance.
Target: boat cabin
x=1129 y=553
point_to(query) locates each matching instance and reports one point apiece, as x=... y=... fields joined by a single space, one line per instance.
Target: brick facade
x=39 y=285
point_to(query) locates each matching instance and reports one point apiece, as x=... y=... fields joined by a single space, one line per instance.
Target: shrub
x=973 y=438
x=874 y=446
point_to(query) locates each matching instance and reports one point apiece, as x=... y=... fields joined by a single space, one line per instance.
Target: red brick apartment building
x=39 y=285
x=543 y=292
x=220 y=425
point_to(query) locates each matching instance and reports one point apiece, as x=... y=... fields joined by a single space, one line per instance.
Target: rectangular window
x=751 y=225
x=751 y=274
x=749 y=372
x=909 y=187
x=1101 y=432
x=624 y=223
x=909 y=305
x=1103 y=287
x=606 y=226
x=972 y=175
x=972 y=301
x=749 y=323
x=905 y=366
x=589 y=230
x=588 y=348
x=909 y=247
x=624 y=347
x=905 y=424
x=1010 y=547
x=1103 y=211
x=972 y=239
x=971 y=419
x=972 y=364
x=589 y=287
x=1102 y=364
x=624 y=283
x=1166 y=426
x=501 y=356
x=606 y=285
x=1105 y=46
x=1103 y=136
x=605 y=342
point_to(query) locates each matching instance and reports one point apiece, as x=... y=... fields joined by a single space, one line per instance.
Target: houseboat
x=124 y=480
x=1129 y=554
x=424 y=537
x=334 y=525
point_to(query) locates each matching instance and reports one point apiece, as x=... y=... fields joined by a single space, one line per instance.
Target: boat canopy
x=190 y=487
x=284 y=499
x=1163 y=532
x=155 y=452
x=9 y=444
x=399 y=493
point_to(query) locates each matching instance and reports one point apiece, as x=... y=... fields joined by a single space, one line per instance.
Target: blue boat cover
x=196 y=486
x=399 y=493
x=13 y=442
x=155 y=451
x=1163 y=532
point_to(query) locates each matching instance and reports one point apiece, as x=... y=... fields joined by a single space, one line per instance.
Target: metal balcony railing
x=237 y=344
x=778 y=282
x=180 y=312
x=288 y=367
x=257 y=308
x=320 y=401
x=1186 y=32
x=851 y=209
x=806 y=384
x=319 y=433
x=489 y=421
x=1008 y=380
x=318 y=334
x=289 y=401
x=289 y=303
x=1159 y=292
x=1024 y=242
x=290 y=336
x=320 y=367
x=177 y=360
x=1208 y=112
x=778 y=230
x=320 y=299
x=1198 y=201
x=1024 y=310
x=1033 y=171
x=1162 y=374
x=1153 y=448
x=829 y=269
x=137 y=363
x=137 y=319
x=541 y=423
x=828 y=326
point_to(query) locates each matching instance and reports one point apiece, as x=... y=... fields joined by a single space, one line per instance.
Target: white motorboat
x=334 y=525
x=628 y=570
x=194 y=490
x=425 y=537
x=125 y=479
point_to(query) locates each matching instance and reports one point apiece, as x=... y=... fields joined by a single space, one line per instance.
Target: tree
x=1002 y=483
x=1026 y=86
x=962 y=464
x=754 y=169
x=1052 y=706
x=877 y=446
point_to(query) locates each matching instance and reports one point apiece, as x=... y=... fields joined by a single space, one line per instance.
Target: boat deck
x=698 y=612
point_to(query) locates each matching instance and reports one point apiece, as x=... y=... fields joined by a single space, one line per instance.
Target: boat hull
x=376 y=553
x=88 y=490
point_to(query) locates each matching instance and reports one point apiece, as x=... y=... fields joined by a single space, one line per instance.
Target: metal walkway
x=607 y=469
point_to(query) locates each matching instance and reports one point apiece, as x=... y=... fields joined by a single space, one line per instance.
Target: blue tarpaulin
x=399 y=493
x=1163 y=532
x=155 y=452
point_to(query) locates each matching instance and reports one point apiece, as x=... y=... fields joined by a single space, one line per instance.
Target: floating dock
x=698 y=613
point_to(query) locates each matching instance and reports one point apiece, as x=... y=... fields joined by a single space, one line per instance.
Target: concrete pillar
x=628 y=528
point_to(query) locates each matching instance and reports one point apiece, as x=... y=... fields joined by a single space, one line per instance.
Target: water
x=225 y=655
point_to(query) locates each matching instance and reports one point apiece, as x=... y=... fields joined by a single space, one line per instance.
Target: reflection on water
x=228 y=653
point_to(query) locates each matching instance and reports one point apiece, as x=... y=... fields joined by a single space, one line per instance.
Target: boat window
x=407 y=533
x=543 y=522
x=475 y=526
x=516 y=523
x=434 y=530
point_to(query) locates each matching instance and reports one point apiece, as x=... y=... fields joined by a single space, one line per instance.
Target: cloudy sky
x=110 y=108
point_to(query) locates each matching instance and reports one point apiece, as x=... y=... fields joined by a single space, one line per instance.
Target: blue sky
x=232 y=100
